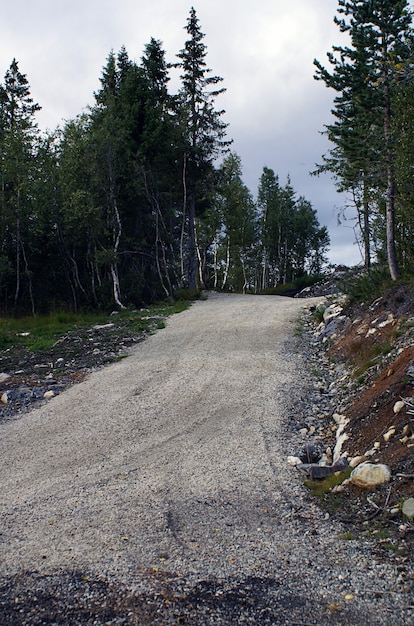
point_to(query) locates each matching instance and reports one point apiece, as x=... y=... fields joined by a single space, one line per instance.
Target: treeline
x=129 y=202
x=372 y=158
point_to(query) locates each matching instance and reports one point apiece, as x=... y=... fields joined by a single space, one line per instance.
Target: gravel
x=158 y=492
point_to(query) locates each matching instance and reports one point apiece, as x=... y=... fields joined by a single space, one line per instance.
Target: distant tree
x=292 y=242
x=238 y=230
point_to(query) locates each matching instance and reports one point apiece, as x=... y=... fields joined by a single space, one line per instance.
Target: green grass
x=322 y=489
x=40 y=333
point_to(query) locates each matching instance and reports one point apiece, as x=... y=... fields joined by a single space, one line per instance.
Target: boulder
x=368 y=475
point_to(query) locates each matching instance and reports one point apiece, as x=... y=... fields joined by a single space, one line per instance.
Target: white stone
x=357 y=460
x=340 y=419
x=103 y=326
x=4 y=377
x=398 y=406
x=48 y=394
x=408 y=508
x=337 y=453
x=332 y=311
x=370 y=475
x=294 y=460
x=4 y=397
x=390 y=433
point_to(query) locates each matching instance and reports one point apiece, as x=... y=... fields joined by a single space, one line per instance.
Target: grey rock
x=310 y=454
x=408 y=508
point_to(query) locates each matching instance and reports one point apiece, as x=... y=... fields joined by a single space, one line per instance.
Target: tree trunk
x=192 y=253
x=226 y=270
x=199 y=259
x=389 y=155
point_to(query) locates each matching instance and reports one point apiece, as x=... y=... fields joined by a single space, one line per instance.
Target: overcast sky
x=263 y=50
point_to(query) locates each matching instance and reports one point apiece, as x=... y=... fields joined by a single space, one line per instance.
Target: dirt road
x=158 y=490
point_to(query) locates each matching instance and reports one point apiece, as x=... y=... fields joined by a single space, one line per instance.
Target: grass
x=40 y=333
x=367 y=357
x=322 y=489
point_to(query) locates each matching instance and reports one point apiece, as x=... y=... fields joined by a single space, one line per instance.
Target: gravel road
x=158 y=492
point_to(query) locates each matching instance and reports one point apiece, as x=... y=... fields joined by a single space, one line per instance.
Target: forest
x=140 y=197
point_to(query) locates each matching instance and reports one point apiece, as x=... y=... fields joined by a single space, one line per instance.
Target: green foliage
x=187 y=295
x=292 y=242
x=322 y=489
x=366 y=287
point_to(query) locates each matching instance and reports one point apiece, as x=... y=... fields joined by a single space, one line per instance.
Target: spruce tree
x=18 y=133
x=203 y=130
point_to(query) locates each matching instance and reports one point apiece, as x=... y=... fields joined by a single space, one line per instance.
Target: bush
x=188 y=294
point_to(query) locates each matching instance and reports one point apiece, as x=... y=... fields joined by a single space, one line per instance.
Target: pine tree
x=203 y=130
x=365 y=75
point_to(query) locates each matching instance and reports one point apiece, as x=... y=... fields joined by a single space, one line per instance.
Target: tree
x=18 y=134
x=292 y=242
x=238 y=229
x=203 y=130
x=366 y=74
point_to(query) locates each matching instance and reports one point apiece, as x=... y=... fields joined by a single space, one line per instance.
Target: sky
x=263 y=50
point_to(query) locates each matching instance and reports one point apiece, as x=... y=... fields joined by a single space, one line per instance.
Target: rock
x=48 y=394
x=294 y=460
x=4 y=397
x=103 y=326
x=341 y=464
x=318 y=472
x=333 y=326
x=390 y=433
x=357 y=460
x=408 y=508
x=332 y=311
x=369 y=475
x=4 y=377
x=398 y=406
x=310 y=454
x=315 y=471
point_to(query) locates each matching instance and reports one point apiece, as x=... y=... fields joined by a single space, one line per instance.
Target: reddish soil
x=382 y=361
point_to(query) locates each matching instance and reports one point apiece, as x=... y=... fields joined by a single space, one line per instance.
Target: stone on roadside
x=310 y=454
x=408 y=508
x=3 y=377
x=398 y=406
x=389 y=434
x=368 y=475
x=48 y=394
x=4 y=397
x=357 y=460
